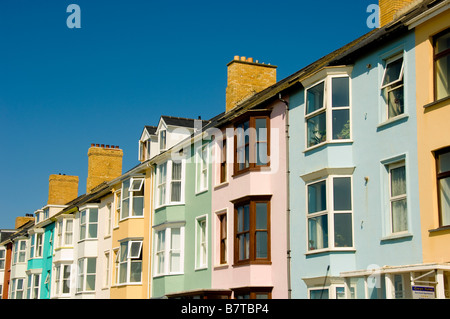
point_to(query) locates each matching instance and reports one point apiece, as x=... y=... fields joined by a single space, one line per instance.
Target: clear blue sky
x=132 y=61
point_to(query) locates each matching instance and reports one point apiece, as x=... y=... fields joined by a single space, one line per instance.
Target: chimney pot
x=250 y=60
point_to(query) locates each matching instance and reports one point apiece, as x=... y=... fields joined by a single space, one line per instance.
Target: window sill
x=397 y=236
x=169 y=205
x=324 y=144
x=201 y=191
x=393 y=121
x=253 y=262
x=218 y=186
x=445 y=99
x=439 y=229
x=131 y=217
x=201 y=268
x=221 y=266
x=168 y=275
x=126 y=284
x=331 y=250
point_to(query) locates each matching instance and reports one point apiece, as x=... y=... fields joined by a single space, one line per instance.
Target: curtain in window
x=175 y=250
x=398 y=201
x=69 y=232
x=176 y=182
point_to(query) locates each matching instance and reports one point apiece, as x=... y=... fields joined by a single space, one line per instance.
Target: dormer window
x=162 y=140
x=144 y=150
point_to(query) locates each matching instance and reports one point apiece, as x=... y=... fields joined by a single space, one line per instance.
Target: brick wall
x=104 y=164
x=62 y=189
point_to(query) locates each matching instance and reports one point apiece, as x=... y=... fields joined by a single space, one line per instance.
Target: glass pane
x=175 y=262
x=444 y=194
x=138 y=206
x=125 y=209
x=136 y=271
x=93 y=215
x=137 y=183
x=176 y=171
x=93 y=231
x=442 y=43
x=314 y=98
x=399 y=217
x=317 y=197
x=393 y=71
x=123 y=251
x=91 y=265
x=318 y=232
x=317 y=129
x=261 y=215
x=343 y=230
x=246 y=217
x=123 y=272
x=125 y=189
x=261 y=153
x=340 y=95
x=443 y=77
x=162 y=173
x=398 y=181
x=161 y=240
x=244 y=246
x=176 y=192
x=395 y=102
x=247 y=133
x=83 y=217
x=261 y=244
x=261 y=129
x=135 y=250
x=342 y=192
x=444 y=162
x=90 y=282
x=341 y=124
x=83 y=232
x=175 y=239
x=340 y=293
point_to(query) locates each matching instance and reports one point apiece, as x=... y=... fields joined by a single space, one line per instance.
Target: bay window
x=393 y=86
x=443 y=183
x=327 y=111
x=20 y=251
x=442 y=64
x=169 y=251
x=329 y=221
x=33 y=286
x=132 y=198
x=64 y=232
x=252 y=230
x=62 y=279
x=2 y=258
x=130 y=262
x=252 y=143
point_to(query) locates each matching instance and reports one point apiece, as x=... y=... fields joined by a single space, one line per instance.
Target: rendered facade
x=331 y=183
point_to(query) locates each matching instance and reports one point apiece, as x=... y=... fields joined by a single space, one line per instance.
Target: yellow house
x=432 y=31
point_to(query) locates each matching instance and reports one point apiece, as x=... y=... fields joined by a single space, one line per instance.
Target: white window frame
x=167 y=184
x=14 y=288
x=393 y=85
x=107 y=269
x=202 y=168
x=2 y=258
x=33 y=291
x=328 y=109
x=18 y=252
x=162 y=139
x=330 y=212
x=166 y=252
x=397 y=198
x=131 y=196
x=88 y=223
x=129 y=259
x=38 y=245
x=109 y=217
x=62 y=232
x=201 y=243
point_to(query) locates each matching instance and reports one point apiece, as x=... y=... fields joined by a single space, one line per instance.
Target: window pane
x=340 y=95
x=444 y=189
x=393 y=71
x=442 y=43
x=176 y=171
x=91 y=265
x=261 y=153
x=342 y=193
x=135 y=250
x=317 y=197
x=261 y=129
x=341 y=124
x=444 y=162
x=399 y=217
x=125 y=189
x=175 y=262
x=176 y=192
x=90 y=282
x=125 y=209
x=123 y=251
x=261 y=244
x=175 y=240
x=123 y=272
x=162 y=173
x=314 y=98
x=138 y=206
x=398 y=181
x=136 y=271
x=261 y=215
x=244 y=246
x=137 y=184
x=318 y=232
x=395 y=102
x=318 y=294
x=443 y=77
x=317 y=129
x=93 y=231
x=343 y=230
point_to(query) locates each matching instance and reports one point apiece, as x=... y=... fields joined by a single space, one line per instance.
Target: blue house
x=354 y=210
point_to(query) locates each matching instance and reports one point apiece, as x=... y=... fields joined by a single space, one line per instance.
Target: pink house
x=249 y=204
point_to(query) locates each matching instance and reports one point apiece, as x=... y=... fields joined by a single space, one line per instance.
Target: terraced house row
x=331 y=183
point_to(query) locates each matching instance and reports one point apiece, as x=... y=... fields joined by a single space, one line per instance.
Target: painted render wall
x=373 y=143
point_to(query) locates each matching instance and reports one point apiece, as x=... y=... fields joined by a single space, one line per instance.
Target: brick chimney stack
x=104 y=164
x=390 y=8
x=62 y=189
x=246 y=78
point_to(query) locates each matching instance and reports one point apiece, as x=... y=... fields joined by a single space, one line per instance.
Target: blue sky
x=130 y=62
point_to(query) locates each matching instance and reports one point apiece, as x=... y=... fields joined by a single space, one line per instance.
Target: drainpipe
x=288 y=207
